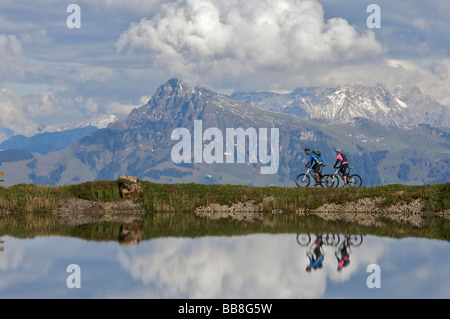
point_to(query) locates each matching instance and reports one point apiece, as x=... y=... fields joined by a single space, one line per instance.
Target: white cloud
x=38 y=37
x=137 y=6
x=119 y=108
x=144 y=100
x=85 y=73
x=13 y=115
x=432 y=77
x=91 y=106
x=11 y=66
x=237 y=38
x=43 y=103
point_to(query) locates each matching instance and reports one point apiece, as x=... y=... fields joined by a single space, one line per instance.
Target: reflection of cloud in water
x=12 y=255
x=36 y=267
x=360 y=257
x=257 y=266
x=11 y=259
x=419 y=269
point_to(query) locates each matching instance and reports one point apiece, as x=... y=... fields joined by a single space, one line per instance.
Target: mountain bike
x=332 y=180
x=303 y=180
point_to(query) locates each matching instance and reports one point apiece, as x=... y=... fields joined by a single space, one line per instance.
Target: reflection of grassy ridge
x=160 y=225
x=187 y=225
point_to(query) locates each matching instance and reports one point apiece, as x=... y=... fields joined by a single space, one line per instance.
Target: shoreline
x=100 y=208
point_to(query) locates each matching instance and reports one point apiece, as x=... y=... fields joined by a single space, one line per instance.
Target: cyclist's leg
x=319 y=172
x=313 y=168
x=344 y=171
x=347 y=172
x=316 y=169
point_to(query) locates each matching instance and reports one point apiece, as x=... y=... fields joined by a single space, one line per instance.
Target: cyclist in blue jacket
x=315 y=162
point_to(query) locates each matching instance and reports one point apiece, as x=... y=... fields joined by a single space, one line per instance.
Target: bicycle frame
x=338 y=173
x=352 y=241
x=312 y=173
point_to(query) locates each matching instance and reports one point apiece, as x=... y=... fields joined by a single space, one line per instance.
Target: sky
x=122 y=51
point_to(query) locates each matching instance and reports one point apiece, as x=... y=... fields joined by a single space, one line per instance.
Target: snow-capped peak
x=100 y=122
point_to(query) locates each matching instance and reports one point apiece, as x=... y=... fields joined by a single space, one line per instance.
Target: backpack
x=318 y=153
x=344 y=157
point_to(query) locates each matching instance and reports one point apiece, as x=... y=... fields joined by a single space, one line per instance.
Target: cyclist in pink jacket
x=343 y=159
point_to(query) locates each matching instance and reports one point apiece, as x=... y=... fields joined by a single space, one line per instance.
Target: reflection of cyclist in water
x=344 y=258
x=316 y=258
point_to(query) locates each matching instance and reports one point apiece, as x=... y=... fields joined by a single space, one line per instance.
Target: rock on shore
x=74 y=212
x=365 y=212
x=130 y=187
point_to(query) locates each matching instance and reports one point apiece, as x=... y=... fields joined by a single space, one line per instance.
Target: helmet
x=338 y=150
x=307 y=149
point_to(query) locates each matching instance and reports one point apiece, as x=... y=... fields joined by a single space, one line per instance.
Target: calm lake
x=252 y=266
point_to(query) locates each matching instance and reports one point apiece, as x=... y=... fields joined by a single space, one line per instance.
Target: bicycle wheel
x=323 y=178
x=337 y=239
x=356 y=240
x=332 y=181
x=302 y=180
x=355 y=180
x=330 y=239
x=303 y=239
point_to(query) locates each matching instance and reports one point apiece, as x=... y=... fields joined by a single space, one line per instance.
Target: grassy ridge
x=186 y=197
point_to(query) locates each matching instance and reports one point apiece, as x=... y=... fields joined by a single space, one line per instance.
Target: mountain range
x=388 y=139
x=400 y=108
x=50 y=138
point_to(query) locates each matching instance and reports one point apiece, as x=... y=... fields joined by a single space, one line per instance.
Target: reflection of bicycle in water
x=315 y=251
x=327 y=239
x=330 y=239
x=315 y=255
x=355 y=240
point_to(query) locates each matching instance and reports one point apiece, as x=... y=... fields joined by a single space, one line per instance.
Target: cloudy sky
x=124 y=50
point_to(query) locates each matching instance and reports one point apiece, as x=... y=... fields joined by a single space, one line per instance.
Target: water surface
x=252 y=266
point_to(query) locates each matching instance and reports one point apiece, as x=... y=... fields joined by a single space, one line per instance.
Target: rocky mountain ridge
x=399 y=108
